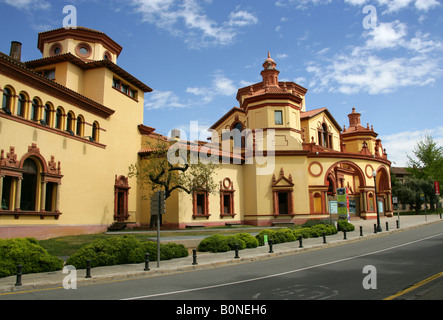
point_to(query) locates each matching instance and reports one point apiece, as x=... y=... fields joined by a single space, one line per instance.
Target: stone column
x=43 y=197
x=18 y=194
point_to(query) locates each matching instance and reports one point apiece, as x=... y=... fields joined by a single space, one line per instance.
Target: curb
x=154 y=271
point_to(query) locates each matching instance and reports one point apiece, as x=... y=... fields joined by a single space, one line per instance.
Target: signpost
x=343 y=204
x=437 y=193
x=395 y=201
x=158 y=204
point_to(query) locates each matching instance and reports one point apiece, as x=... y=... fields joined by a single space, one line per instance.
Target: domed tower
x=271 y=104
x=84 y=43
x=270 y=73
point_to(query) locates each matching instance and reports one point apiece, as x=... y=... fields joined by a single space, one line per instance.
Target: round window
x=55 y=49
x=83 y=50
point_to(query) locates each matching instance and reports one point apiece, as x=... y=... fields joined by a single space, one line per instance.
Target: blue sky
x=195 y=54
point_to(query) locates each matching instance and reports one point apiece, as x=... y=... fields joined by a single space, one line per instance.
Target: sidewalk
x=210 y=260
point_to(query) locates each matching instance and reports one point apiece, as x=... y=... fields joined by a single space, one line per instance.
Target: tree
x=409 y=192
x=427 y=166
x=170 y=166
x=428 y=162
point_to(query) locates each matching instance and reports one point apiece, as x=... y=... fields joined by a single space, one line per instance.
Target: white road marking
x=282 y=273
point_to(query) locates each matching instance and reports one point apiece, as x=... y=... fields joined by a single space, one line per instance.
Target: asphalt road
x=372 y=269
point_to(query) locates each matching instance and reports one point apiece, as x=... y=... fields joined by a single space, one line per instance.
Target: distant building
x=402 y=174
x=71 y=124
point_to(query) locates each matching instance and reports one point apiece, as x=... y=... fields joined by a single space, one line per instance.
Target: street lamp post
x=374 y=174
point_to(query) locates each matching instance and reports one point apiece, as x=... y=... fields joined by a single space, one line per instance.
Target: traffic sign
x=158 y=203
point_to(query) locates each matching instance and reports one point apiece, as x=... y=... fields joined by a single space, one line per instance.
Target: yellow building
x=312 y=157
x=70 y=125
x=68 y=131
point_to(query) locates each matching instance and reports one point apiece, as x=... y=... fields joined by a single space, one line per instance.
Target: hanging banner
x=343 y=204
x=437 y=188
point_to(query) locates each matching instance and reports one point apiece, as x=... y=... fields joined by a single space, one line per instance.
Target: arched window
x=47 y=115
x=7 y=100
x=80 y=126
x=21 y=105
x=70 y=123
x=95 y=132
x=59 y=118
x=325 y=136
x=29 y=186
x=34 y=109
x=239 y=140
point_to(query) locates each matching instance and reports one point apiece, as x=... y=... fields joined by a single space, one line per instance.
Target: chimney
x=16 y=50
x=175 y=134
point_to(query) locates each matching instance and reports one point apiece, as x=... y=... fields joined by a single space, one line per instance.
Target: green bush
x=286 y=235
x=29 y=254
x=233 y=240
x=326 y=228
x=314 y=222
x=272 y=235
x=343 y=224
x=250 y=240
x=305 y=233
x=123 y=250
x=214 y=243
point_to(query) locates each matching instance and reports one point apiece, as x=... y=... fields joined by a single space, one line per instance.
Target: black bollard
x=18 y=281
x=324 y=237
x=344 y=234
x=398 y=224
x=146 y=262
x=88 y=269
x=300 y=240
x=387 y=226
x=194 y=257
x=270 y=246
x=236 y=251
x=361 y=231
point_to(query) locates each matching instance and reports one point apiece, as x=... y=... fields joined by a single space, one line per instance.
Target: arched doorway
x=346 y=174
x=121 y=193
x=29 y=191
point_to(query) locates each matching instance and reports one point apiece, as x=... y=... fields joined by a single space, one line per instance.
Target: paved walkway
x=210 y=260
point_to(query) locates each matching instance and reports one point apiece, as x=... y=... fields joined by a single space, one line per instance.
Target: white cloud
x=386 y=35
x=163 y=100
x=187 y=19
x=389 y=59
x=29 y=4
x=401 y=144
x=220 y=86
x=393 y=6
x=425 y=5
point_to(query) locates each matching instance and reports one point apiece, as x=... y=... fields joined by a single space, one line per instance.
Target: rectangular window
x=116 y=84
x=201 y=203
x=124 y=88
x=278 y=115
x=50 y=74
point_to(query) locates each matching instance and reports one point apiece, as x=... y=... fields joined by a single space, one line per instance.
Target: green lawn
x=66 y=246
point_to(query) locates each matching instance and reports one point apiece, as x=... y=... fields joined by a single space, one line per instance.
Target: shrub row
x=345 y=225
x=289 y=235
x=123 y=250
x=29 y=254
x=222 y=243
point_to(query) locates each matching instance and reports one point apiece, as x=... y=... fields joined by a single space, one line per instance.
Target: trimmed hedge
x=214 y=243
x=222 y=243
x=345 y=225
x=288 y=235
x=29 y=254
x=123 y=250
